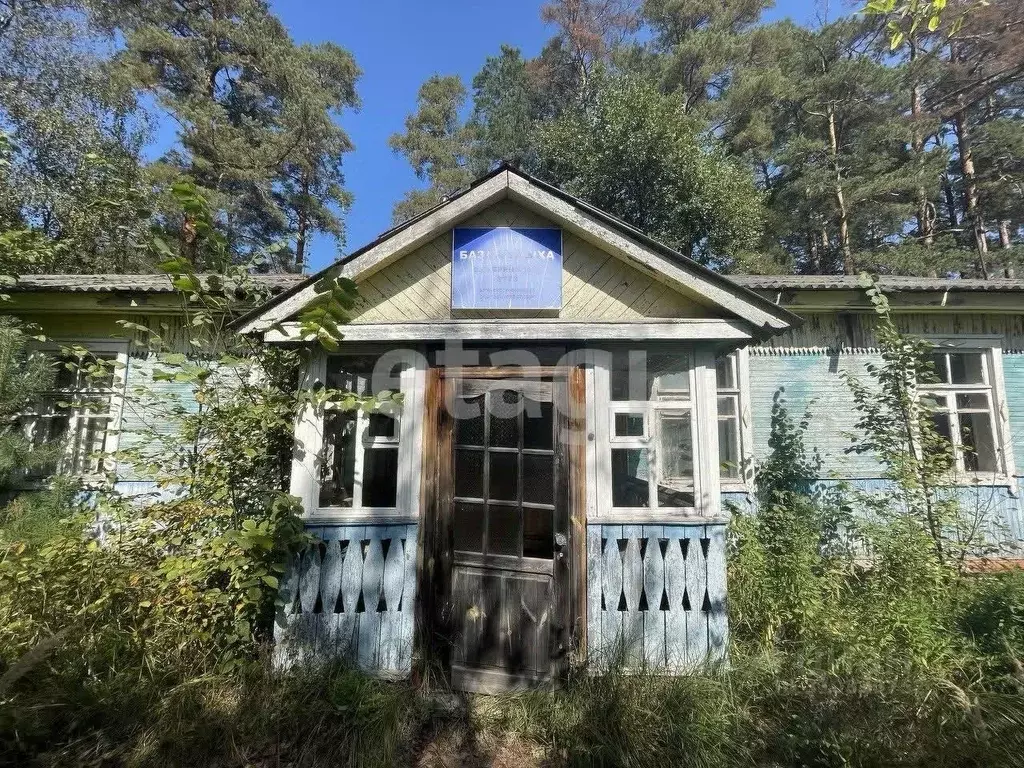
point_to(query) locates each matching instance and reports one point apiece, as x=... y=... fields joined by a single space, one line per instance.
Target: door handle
x=560 y=543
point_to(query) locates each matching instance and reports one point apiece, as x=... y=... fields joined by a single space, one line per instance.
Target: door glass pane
x=538 y=533
x=504 y=476
x=503 y=533
x=539 y=478
x=629 y=425
x=338 y=473
x=468 y=527
x=469 y=473
x=972 y=401
x=504 y=419
x=380 y=477
x=469 y=430
x=538 y=424
x=966 y=368
x=629 y=477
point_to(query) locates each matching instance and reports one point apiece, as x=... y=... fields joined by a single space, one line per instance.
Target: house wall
x=805 y=368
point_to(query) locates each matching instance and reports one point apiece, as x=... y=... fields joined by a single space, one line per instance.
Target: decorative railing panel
x=351 y=595
x=656 y=595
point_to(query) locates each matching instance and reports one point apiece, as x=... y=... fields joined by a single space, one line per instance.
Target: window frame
x=991 y=349
x=701 y=406
x=744 y=482
x=119 y=348
x=310 y=434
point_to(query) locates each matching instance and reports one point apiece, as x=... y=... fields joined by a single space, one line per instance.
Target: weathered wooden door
x=503 y=524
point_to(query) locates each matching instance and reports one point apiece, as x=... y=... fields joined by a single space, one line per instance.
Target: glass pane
x=972 y=401
x=504 y=476
x=671 y=496
x=538 y=424
x=382 y=425
x=539 y=476
x=940 y=420
x=469 y=473
x=676 y=446
x=470 y=431
x=966 y=368
x=726 y=372
x=88 y=441
x=629 y=477
x=504 y=418
x=978 y=442
x=668 y=375
x=337 y=475
x=642 y=376
x=468 y=527
x=938 y=362
x=503 y=530
x=538 y=533
x=629 y=425
x=351 y=373
x=380 y=477
x=935 y=402
x=728 y=438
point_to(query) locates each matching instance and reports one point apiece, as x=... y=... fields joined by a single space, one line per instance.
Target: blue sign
x=506 y=268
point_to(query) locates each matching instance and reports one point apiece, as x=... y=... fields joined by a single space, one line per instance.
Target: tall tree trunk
x=925 y=211
x=844 y=217
x=947 y=193
x=972 y=209
x=813 y=255
x=1006 y=244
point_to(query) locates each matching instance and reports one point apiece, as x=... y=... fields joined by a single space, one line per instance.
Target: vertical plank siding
x=351 y=595
x=656 y=596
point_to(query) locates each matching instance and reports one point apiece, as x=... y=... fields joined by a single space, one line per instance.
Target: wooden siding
x=656 y=596
x=595 y=285
x=351 y=596
x=1013 y=376
x=855 y=330
x=811 y=383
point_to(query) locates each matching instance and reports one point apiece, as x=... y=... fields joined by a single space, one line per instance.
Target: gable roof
x=611 y=233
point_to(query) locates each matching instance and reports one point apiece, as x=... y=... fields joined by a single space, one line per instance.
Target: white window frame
x=990 y=347
x=118 y=348
x=701 y=404
x=309 y=437
x=744 y=483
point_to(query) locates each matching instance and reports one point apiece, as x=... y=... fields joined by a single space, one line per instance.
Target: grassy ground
x=753 y=715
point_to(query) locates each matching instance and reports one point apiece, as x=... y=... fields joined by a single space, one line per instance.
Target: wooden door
x=504 y=491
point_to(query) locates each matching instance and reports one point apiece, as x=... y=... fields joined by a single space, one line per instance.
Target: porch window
x=360 y=466
x=729 y=433
x=81 y=411
x=964 y=400
x=651 y=432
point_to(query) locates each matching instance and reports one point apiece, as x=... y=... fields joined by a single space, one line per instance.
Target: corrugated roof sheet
x=887 y=282
x=110 y=283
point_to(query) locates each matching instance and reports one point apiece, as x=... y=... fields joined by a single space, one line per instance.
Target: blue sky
x=398 y=45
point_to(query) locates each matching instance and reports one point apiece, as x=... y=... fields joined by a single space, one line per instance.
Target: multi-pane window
x=964 y=410
x=651 y=431
x=729 y=434
x=78 y=415
x=360 y=452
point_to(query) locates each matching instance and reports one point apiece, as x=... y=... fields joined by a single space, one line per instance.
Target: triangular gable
x=640 y=279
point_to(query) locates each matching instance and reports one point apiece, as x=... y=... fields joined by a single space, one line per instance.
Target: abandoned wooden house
x=581 y=409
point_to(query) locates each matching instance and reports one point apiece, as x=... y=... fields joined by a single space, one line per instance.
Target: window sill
x=655 y=517
x=735 y=486
x=377 y=516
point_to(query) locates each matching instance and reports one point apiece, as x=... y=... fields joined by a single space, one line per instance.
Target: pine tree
x=436 y=144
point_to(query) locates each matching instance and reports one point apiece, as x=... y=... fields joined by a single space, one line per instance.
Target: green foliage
x=630 y=141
